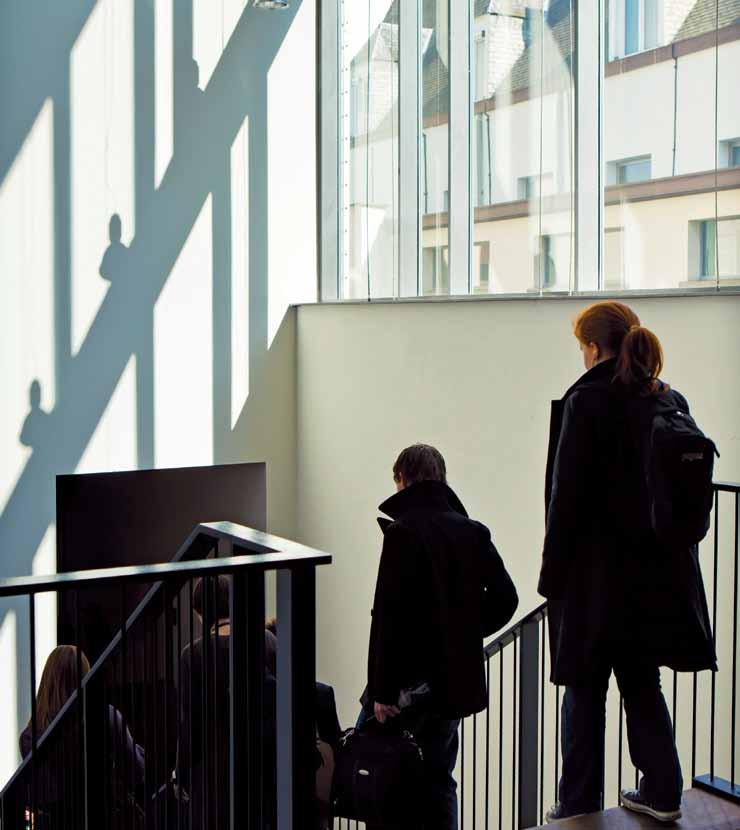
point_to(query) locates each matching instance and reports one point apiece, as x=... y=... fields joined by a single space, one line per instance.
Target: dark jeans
x=438 y=740
x=649 y=733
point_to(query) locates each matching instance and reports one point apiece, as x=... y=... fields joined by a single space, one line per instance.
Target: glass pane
x=435 y=129
x=728 y=248
x=522 y=139
x=659 y=143
x=728 y=146
x=631 y=26
x=370 y=80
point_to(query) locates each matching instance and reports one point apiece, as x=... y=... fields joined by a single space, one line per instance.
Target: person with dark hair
x=619 y=599
x=203 y=749
x=442 y=587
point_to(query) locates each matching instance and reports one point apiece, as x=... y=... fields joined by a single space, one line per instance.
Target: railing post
x=529 y=692
x=296 y=679
x=248 y=710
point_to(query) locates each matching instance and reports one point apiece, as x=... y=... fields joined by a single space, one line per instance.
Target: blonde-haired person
x=619 y=601
x=58 y=682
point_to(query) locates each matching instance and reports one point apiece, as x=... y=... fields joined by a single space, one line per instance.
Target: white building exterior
x=670 y=148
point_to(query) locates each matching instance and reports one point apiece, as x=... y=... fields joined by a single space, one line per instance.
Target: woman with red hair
x=619 y=599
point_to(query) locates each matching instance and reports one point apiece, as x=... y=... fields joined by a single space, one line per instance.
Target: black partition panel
x=140 y=518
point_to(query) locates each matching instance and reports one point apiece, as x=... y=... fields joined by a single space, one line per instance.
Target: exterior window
x=481 y=267
x=640 y=26
x=630 y=171
x=729 y=153
x=614 y=259
x=480 y=67
x=529 y=187
x=436 y=270
x=483 y=172
x=545 y=271
x=714 y=248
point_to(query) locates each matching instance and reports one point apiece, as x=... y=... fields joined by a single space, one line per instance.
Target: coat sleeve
x=385 y=658
x=572 y=484
x=500 y=599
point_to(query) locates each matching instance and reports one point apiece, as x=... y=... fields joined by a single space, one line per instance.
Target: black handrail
x=244 y=555
x=280 y=552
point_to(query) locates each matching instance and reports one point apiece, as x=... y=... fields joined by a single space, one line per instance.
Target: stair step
x=701 y=811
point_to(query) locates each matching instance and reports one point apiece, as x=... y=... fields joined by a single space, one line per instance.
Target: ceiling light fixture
x=271 y=4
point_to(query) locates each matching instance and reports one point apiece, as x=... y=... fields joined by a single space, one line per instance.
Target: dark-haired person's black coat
x=442 y=587
x=611 y=587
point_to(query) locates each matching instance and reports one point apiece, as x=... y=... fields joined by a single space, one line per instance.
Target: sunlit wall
x=148 y=174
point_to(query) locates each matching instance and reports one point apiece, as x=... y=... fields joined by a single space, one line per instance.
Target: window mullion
x=410 y=142
x=589 y=142
x=330 y=151
x=459 y=146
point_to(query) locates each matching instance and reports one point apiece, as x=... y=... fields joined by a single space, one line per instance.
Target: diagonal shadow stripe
x=33 y=58
x=237 y=90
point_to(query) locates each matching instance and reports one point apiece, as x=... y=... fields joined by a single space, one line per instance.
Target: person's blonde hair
x=58 y=681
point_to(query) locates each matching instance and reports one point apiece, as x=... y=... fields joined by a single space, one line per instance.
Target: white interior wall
x=171 y=343
x=475 y=379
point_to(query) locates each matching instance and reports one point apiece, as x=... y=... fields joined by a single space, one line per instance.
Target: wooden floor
x=701 y=811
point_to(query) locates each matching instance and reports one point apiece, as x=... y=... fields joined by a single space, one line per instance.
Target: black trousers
x=649 y=733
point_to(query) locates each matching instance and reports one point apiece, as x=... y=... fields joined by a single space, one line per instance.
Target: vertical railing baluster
x=620 y=747
x=155 y=714
x=119 y=719
x=693 y=731
x=191 y=819
x=34 y=722
x=205 y=707
x=501 y=737
x=714 y=637
x=488 y=737
x=238 y=722
x=475 y=768
x=178 y=716
x=462 y=773
x=514 y=726
x=542 y=720
x=733 y=730
x=529 y=709
x=557 y=744
x=167 y=609
x=296 y=599
x=79 y=786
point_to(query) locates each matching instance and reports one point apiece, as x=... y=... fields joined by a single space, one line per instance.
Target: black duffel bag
x=378 y=775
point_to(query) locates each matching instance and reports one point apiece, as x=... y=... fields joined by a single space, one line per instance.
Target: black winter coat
x=612 y=589
x=442 y=587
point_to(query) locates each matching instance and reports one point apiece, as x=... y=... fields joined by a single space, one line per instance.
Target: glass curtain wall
x=660 y=112
x=671 y=196
x=435 y=147
x=522 y=136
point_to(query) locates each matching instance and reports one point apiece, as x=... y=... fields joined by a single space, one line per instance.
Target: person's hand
x=383 y=712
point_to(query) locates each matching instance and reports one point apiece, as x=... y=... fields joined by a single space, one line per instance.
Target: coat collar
x=601 y=372
x=424 y=495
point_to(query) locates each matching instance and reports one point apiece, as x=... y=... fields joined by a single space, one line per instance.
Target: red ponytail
x=640 y=360
x=617 y=331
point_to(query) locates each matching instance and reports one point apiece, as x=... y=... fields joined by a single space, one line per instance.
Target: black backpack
x=378 y=776
x=677 y=462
